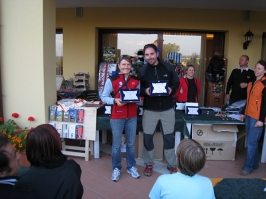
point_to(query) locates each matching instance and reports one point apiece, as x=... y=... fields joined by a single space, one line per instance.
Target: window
x=59 y=51
x=263 y=51
x=195 y=47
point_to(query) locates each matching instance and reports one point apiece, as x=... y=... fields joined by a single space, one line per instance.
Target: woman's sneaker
x=133 y=171
x=115 y=175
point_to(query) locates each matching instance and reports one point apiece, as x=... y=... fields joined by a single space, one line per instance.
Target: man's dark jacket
x=163 y=71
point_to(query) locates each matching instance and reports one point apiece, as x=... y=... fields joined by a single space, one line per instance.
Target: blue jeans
x=130 y=127
x=253 y=136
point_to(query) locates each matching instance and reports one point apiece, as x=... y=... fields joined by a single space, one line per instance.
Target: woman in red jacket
x=189 y=88
x=123 y=116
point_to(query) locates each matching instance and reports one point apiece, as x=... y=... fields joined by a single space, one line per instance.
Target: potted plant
x=15 y=134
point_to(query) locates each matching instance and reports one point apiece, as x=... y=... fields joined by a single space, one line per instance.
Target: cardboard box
x=241 y=137
x=218 y=140
x=158 y=145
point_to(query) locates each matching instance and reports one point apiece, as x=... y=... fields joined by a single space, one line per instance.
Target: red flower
x=31 y=118
x=18 y=130
x=1 y=119
x=15 y=115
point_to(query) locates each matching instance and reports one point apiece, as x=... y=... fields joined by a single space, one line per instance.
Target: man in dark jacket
x=9 y=167
x=158 y=108
x=238 y=81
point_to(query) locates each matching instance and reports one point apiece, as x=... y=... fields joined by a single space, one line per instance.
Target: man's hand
x=169 y=90
x=243 y=85
x=242 y=117
x=228 y=96
x=148 y=91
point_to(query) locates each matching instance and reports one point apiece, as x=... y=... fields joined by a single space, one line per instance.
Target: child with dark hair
x=51 y=174
x=186 y=183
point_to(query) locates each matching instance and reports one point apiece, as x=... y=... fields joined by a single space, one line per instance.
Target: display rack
x=215 y=91
x=89 y=134
x=81 y=81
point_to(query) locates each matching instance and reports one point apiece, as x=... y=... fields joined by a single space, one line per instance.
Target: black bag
x=207 y=112
x=215 y=71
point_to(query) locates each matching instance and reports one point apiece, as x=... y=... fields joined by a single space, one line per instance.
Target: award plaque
x=129 y=95
x=140 y=110
x=159 y=88
x=179 y=106
x=107 y=109
x=192 y=110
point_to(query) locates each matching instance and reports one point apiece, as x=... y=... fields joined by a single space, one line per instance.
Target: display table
x=68 y=129
x=205 y=119
x=183 y=125
x=88 y=133
x=208 y=119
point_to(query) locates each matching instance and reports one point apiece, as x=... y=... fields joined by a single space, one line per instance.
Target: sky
x=131 y=43
x=59 y=44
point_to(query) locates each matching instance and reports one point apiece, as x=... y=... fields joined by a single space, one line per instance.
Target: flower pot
x=23 y=161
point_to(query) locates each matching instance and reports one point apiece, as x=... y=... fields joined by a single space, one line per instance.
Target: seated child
x=186 y=183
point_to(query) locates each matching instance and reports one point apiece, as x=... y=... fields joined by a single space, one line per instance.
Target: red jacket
x=182 y=92
x=129 y=110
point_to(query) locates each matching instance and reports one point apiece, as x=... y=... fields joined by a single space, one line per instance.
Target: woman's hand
x=242 y=117
x=118 y=102
x=258 y=124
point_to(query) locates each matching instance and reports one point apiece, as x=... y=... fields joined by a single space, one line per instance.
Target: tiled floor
x=97 y=184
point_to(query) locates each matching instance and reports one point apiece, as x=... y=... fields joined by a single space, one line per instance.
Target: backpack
x=215 y=71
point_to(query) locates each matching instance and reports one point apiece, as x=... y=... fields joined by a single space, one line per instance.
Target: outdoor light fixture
x=248 y=38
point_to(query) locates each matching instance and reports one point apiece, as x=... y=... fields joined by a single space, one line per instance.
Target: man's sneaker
x=172 y=169
x=148 y=170
x=115 y=175
x=133 y=171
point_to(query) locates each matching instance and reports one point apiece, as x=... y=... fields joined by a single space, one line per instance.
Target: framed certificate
x=179 y=106
x=107 y=109
x=159 y=88
x=192 y=110
x=129 y=95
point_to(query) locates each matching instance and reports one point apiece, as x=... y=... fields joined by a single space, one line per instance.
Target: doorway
x=195 y=47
